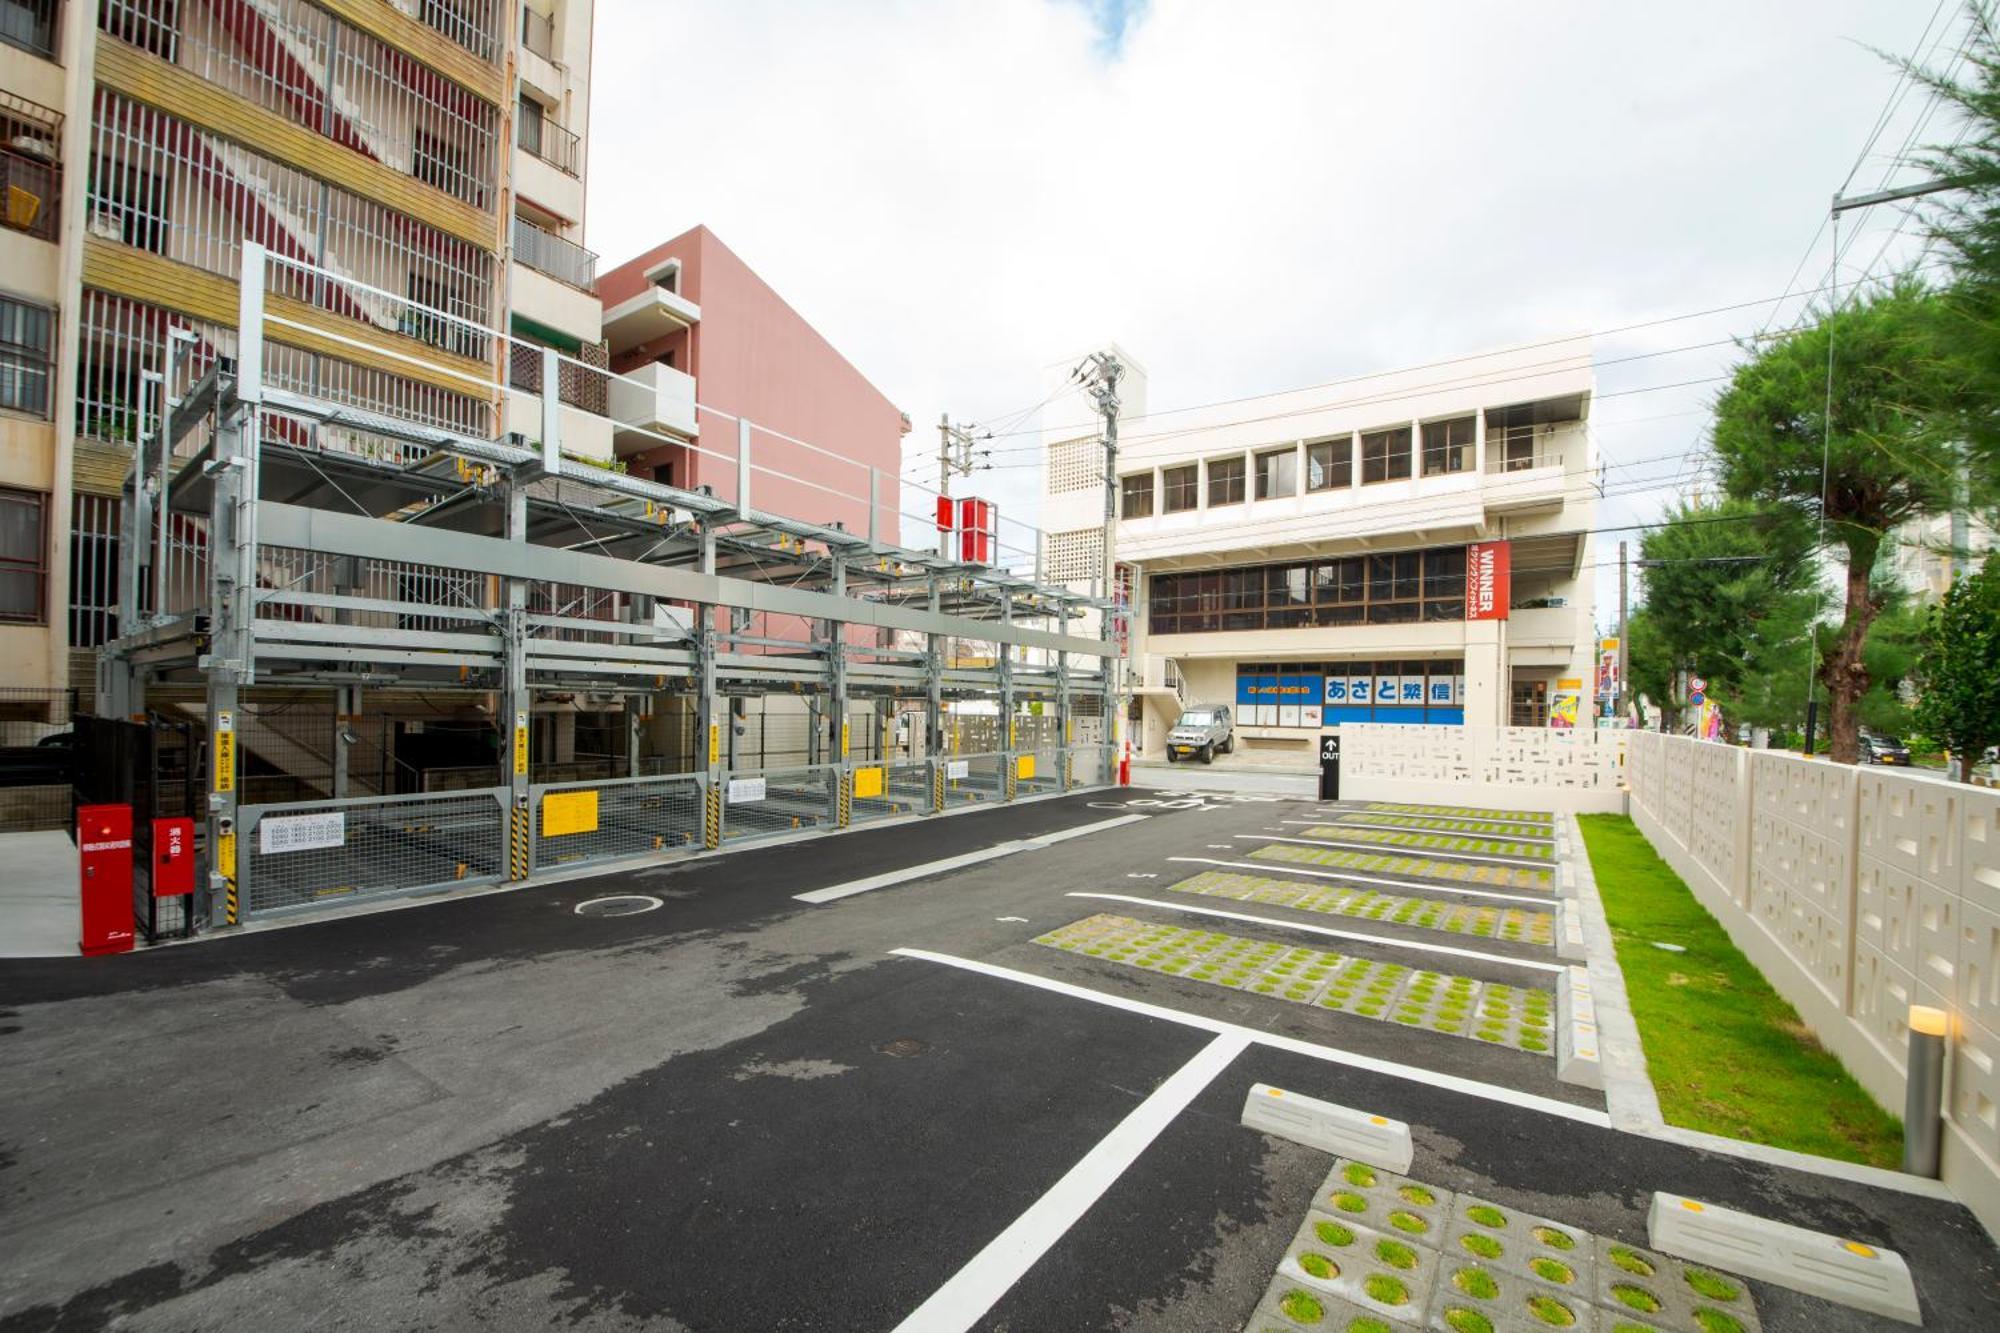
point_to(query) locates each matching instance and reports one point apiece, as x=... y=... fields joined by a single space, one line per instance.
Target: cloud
x=1249 y=196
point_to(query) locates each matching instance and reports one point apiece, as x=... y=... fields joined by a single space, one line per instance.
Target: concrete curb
x=1628 y=1090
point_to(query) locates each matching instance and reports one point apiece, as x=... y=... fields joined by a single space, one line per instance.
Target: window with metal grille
x=1136 y=495
x=24 y=574
x=1385 y=455
x=30 y=165
x=1330 y=464
x=1180 y=489
x=1225 y=481
x=1448 y=446
x=26 y=355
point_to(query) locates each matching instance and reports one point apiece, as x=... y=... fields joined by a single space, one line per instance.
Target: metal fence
x=310 y=853
x=580 y=822
x=885 y=791
x=37 y=772
x=1090 y=765
x=972 y=778
x=1038 y=772
x=780 y=800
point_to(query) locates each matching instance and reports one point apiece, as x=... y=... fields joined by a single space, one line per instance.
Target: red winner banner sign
x=1486 y=581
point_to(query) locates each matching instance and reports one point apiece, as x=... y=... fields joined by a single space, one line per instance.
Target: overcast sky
x=1253 y=195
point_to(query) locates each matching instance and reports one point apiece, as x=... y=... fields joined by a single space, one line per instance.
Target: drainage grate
x=901 y=1047
x=624 y=904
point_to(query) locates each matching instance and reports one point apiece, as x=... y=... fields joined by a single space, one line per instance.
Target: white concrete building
x=1305 y=554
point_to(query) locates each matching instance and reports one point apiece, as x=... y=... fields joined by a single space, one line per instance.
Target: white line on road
x=904 y=875
x=1388 y=941
x=1392 y=849
x=972 y=1291
x=1491 y=1092
x=1281 y=868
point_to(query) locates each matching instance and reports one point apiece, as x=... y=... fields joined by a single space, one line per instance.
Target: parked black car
x=46 y=763
x=1884 y=750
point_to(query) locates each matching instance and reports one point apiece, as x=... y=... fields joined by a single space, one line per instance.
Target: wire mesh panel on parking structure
x=1038 y=771
x=1090 y=765
x=577 y=822
x=972 y=778
x=308 y=853
x=901 y=788
x=762 y=802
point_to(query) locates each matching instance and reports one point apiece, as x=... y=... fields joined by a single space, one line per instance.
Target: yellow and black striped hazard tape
x=712 y=819
x=846 y=799
x=231 y=910
x=517 y=861
x=937 y=786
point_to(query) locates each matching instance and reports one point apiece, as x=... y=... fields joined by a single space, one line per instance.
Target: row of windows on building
x=1397 y=588
x=1324 y=694
x=1516 y=439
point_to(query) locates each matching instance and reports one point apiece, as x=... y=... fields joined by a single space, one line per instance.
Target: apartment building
x=691 y=311
x=431 y=150
x=1412 y=546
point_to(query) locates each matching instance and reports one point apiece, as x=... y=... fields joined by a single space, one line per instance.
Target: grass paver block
x=1336 y=1315
x=1433 y=842
x=1562 y=1258
x=1435 y=1001
x=1512 y=878
x=1469 y=1292
x=1447 y=824
x=1426 y=1208
x=1510 y=923
x=1462 y=811
x=1630 y=1279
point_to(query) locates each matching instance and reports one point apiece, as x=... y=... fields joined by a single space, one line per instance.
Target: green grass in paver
x=1511 y=923
x=1445 y=824
x=1452 y=872
x=1363 y=987
x=1462 y=812
x=1302 y=1307
x=1432 y=842
x=1725 y=1052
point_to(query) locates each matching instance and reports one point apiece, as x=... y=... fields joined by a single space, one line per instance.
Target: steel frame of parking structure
x=259 y=520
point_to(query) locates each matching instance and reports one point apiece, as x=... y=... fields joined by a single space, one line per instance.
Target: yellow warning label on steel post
x=867 y=782
x=225 y=855
x=521 y=744
x=714 y=744
x=566 y=812
x=225 y=752
x=843 y=740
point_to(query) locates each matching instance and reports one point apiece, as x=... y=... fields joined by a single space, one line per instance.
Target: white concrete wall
x=1858 y=892
x=1506 y=768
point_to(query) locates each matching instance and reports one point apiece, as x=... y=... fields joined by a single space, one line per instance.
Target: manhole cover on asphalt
x=624 y=904
x=903 y=1046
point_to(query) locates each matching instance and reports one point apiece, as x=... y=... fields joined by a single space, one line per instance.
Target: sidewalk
x=1227 y=773
x=38 y=895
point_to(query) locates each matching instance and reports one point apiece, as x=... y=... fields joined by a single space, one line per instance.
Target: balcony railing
x=580 y=387
x=552 y=143
x=473 y=24
x=1519 y=449
x=30 y=25
x=538 y=34
x=546 y=252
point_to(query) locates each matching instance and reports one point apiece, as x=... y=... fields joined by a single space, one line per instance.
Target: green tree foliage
x=1965 y=221
x=1726 y=593
x=1958 y=665
x=1886 y=452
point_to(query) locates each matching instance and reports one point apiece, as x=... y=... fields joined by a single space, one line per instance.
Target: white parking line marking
x=833 y=892
x=1389 y=941
x=1442 y=833
x=1491 y=1092
x=1279 y=869
x=1391 y=849
x=972 y=1291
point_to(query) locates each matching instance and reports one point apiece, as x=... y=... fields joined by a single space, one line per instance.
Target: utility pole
x=1099 y=373
x=1623 y=692
x=954 y=455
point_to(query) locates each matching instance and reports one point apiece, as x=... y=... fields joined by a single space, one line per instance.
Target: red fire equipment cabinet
x=173 y=857
x=104 y=853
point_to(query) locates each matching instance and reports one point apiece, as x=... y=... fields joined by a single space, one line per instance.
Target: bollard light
x=1923 y=1098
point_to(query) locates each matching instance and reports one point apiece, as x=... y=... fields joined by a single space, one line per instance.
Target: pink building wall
x=752 y=355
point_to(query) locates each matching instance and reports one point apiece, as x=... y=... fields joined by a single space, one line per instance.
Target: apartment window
x=128 y=204
x=1330 y=464
x=668 y=279
x=1402 y=587
x=29 y=24
x=23 y=570
x=1135 y=495
x=1180 y=489
x=538 y=33
x=26 y=342
x=663 y=473
x=1225 y=481
x=1277 y=474
x=1385 y=455
x=436 y=162
x=1448 y=446
x=530 y=116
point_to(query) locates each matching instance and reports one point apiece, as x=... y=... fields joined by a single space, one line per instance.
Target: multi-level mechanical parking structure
x=282 y=543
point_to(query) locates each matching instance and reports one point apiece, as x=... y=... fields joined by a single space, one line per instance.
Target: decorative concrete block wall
x=1859 y=892
x=1514 y=768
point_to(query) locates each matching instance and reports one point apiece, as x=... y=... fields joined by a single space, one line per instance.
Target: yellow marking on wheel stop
x=1856 y=1247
